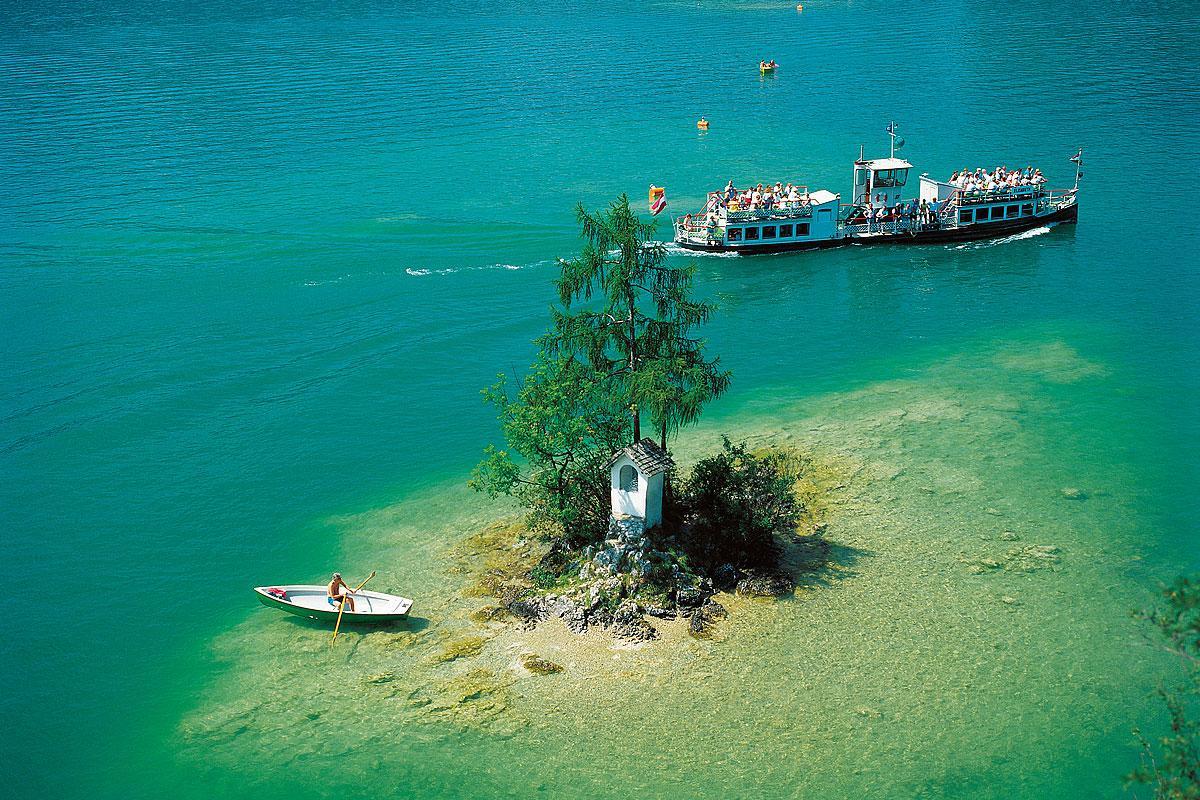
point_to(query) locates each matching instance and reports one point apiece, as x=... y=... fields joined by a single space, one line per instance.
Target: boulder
x=604 y=593
x=662 y=612
x=725 y=578
x=689 y=596
x=627 y=530
x=576 y=620
x=528 y=610
x=600 y=617
x=703 y=618
x=629 y=624
x=766 y=584
x=607 y=561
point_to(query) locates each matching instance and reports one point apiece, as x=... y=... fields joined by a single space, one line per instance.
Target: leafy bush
x=735 y=504
x=1173 y=768
x=562 y=425
x=542 y=577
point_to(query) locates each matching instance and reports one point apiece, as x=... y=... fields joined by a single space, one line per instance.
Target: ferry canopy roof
x=886 y=163
x=821 y=196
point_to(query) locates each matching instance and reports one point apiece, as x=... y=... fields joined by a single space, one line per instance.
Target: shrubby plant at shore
x=733 y=507
x=1171 y=766
x=562 y=425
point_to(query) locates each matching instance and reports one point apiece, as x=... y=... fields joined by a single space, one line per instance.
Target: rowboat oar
x=342 y=606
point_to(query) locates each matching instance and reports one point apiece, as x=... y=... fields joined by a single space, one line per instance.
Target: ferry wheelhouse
x=877 y=213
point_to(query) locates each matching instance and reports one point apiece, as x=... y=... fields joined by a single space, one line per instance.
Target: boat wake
x=675 y=250
x=1016 y=237
x=421 y=273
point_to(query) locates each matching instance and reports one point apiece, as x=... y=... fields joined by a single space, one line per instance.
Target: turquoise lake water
x=257 y=260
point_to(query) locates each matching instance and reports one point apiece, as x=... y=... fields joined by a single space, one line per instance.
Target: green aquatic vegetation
x=1030 y=558
x=498 y=560
x=465 y=647
x=380 y=678
x=490 y=614
x=538 y=665
x=1054 y=362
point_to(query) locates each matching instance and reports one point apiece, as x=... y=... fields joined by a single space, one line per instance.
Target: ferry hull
x=983 y=230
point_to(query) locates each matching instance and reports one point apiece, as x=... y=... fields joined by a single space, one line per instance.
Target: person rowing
x=339 y=592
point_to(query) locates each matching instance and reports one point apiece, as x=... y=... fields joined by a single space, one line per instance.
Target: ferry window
x=1014 y=211
x=769 y=232
x=884 y=179
x=901 y=176
x=735 y=234
x=751 y=233
x=964 y=216
x=860 y=177
x=785 y=231
x=1027 y=209
x=802 y=229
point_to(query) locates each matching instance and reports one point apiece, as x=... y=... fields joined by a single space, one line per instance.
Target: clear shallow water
x=255 y=265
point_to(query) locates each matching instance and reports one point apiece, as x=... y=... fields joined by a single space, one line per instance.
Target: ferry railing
x=889 y=226
x=971 y=197
x=797 y=209
x=700 y=233
x=1060 y=197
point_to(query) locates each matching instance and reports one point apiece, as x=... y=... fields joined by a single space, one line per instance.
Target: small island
x=625 y=534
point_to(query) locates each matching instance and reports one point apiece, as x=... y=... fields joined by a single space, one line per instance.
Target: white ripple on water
x=675 y=250
x=421 y=273
x=1016 y=237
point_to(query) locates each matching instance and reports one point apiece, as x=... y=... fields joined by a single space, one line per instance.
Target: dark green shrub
x=733 y=505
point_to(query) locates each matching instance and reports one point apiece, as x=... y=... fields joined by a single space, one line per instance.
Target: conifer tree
x=631 y=315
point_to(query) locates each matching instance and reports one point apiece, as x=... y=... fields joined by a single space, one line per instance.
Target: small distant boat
x=312 y=601
x=765 y=67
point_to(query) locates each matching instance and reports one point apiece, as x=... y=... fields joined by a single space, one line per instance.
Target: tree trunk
x=633 y=365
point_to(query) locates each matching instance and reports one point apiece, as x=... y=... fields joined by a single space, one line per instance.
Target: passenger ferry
x=942 y=212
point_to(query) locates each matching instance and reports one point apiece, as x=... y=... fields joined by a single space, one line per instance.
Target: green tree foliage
x=561 y=427
x=735 y=505
x=1172 y=768
x=637 y=325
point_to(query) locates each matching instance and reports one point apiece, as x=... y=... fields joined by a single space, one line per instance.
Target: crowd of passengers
x=759 y=198
x=779 y=197
x=1002 y=179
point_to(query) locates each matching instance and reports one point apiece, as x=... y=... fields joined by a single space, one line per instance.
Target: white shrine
x=638 y=472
